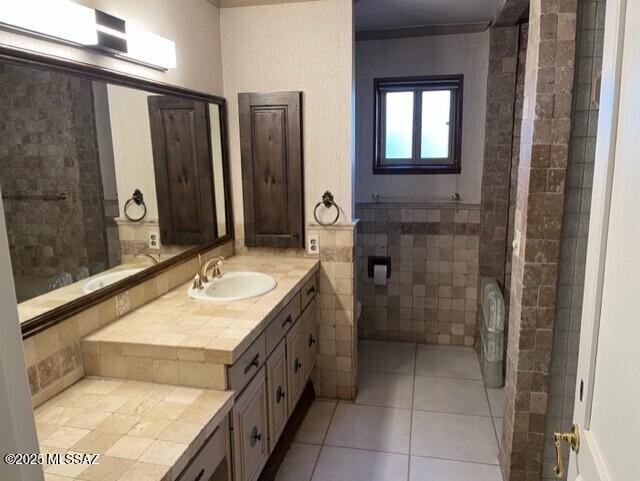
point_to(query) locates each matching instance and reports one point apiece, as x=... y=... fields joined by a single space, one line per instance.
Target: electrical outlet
x=154 y=240
x=313 y=244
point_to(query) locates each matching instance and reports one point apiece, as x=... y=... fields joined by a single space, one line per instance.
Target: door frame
x=17 y=422
x=598 y=231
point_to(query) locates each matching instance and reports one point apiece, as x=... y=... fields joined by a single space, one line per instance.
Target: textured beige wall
x=132 y=151
x=466 y=54
x=301 y=47
x=194 y=25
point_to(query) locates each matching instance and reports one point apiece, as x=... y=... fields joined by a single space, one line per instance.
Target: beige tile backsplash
x=54 y=357
x=336 y=370
x=55 y=360
x=431 y=294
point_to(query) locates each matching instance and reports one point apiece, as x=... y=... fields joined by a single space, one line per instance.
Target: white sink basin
x=107 y=279
x=234 y=286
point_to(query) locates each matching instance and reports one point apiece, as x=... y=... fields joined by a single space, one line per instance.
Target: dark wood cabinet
x=183 y=170
x=272 y=168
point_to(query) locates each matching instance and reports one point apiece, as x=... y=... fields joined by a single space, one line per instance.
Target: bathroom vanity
x=129 y=354
x=262 y=349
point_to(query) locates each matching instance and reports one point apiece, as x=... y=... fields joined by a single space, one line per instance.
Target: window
x=418 y=125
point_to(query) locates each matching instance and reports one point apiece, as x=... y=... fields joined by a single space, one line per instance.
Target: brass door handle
x=573 y=438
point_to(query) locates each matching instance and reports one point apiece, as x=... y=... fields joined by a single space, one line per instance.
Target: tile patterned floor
x=422 y=414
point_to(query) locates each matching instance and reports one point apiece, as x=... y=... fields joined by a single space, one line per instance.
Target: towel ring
x=328 y=202
x=138 y=199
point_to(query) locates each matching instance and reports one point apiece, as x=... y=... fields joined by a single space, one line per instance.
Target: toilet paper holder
x=378 y=261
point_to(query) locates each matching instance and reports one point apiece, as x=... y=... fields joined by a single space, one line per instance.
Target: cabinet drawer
x=247 y=365
x=295 y=366
x=282 y=323
x=309 y=320
x=277 y=393
x=250 y=447
x=211 y=454
x=309 y=291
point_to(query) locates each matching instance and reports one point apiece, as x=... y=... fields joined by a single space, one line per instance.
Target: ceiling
x=399 y=14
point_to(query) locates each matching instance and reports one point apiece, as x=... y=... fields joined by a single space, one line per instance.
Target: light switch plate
x=154 y=239
x=313 y=244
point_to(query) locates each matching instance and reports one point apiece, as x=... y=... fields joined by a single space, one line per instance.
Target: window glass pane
x=399 y=125
x=436 y=115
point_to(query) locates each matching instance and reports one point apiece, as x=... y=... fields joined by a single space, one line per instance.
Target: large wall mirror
x=102 y=181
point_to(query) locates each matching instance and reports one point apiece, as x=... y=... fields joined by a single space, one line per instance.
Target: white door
x=607 y=405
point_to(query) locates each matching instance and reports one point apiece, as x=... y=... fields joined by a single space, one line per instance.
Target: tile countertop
x=174 y=326
x=50 y=300
x=141 y=430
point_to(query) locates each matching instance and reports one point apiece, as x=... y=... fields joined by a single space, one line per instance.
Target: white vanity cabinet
x=275 y=370
x=250 y=445
x=277 y=393
x=211 y=463
x=295 y=373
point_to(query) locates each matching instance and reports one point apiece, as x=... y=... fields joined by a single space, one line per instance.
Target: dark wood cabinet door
x=272 y=173
x=183 y=170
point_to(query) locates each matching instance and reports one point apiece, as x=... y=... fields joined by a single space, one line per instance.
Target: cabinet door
x=183 y=170
x=272 y=183
x=295 y=367
x=210 y=463
x=309 y=321
x=277 y=393
x=250 y=430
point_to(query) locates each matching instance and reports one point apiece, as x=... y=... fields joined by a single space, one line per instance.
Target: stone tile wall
x=335 y=375
x=54 y=357
x=48 y=145
x=500 y=132
x=431 y=295
x=544 y=153
x=510 y=11
x=85 y=151
x=575 y=226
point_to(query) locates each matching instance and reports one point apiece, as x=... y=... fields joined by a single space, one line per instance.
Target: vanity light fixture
x=149 y=48
x=69 y=22
x=60 y=19
x=112 y=34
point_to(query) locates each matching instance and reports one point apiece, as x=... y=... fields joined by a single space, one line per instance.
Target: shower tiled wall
x=542 y=173
x=48 y=146
x=575 y=225
x=431 y=294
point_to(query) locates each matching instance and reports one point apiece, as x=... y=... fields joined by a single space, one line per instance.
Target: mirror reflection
x=102 y=181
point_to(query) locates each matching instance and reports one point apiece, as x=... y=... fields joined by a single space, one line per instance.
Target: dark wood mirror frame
x=101 y=74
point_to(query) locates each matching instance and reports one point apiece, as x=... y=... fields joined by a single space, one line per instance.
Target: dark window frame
x=416 y=164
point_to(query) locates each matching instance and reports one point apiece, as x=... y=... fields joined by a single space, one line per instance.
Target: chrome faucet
x=201 y=275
